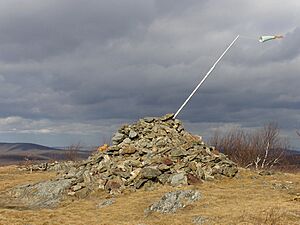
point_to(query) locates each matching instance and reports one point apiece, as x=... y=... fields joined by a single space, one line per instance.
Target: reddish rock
x=191 y=179
x=113 y=184
x=167 y=161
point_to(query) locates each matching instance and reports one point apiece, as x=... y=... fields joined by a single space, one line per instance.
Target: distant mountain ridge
x=12 y=153
x=23 y=147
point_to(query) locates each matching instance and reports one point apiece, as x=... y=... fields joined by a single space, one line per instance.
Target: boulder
x=172 y=201
x=45 y=194
x=179 y=179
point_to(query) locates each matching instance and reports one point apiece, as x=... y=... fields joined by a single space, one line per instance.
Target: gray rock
x=127 y=141
x=117 y=138
x=179 y=179
x=128 y=150
x=266 y=173
x=199 y=220
x=172 y=201
x=178 y=153
x=132 y=134
x=41 y=195
x=113 y=148
x=150 y=173
x=149 y=119
x=163 y=178
x=114 y=184
x=167 y=117
x=77 y=187
x=161 y=143
x=87 y=177
x=71 y=173
x=82 y=193
x=106 y=202
x=229 y=170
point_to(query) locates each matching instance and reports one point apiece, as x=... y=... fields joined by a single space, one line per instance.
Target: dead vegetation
x=72 y=152
x=259 y=149
x=249 y=199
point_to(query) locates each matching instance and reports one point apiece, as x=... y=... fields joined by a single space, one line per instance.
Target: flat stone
x=179 y=179
x=163 y=178
x=149 y=119
x=229 y=170
x=113 y=184
x=113 y=148
x=132 y=134
x=77 y=187
x=167 y=161
x=41 y=195
x=105 y=203
x=126 y=141
x=172 y=201
x=192 y=179
x=161 y=143
x=87 y=177
x=117 y=138
x=128 y=150
x=163 y=167
x=71 y=173
x=167 y=117
x=178 y=153
x=82 y=193
x=199 y=220
x=140 y=183
x=150 y=173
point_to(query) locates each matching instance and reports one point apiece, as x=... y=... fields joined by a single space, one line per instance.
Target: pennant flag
x=268 y=38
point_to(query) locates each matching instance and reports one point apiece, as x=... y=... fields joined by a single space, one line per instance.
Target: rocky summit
x=151 y=152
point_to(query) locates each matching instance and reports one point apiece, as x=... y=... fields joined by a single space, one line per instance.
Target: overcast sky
x=75 y=70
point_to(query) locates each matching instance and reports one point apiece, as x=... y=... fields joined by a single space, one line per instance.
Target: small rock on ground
x=172 y=201
x=199 y=220
x=106 y=202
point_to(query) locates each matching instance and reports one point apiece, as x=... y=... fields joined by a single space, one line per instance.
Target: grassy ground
x=247 y=199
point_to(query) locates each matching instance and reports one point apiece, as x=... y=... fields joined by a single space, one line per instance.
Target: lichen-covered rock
x=172 y=201
x=150 y=173
x=117 y=138
x=45 y=194
x=179 y=179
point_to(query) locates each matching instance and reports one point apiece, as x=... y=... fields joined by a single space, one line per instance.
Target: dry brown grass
x=246 y=199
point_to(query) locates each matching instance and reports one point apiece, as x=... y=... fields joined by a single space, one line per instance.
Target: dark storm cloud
x=41 y=29
x=80 y=65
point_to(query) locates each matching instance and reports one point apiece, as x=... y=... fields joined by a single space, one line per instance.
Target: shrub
x=261 y=149
x=72 y=152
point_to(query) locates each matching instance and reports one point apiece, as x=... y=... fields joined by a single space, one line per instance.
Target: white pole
x=207 y=74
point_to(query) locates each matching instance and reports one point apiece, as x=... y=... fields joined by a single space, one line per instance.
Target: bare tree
x=72 y=152
x=262 y=148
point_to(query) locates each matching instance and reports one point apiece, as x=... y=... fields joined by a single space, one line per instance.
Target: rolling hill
x=13 y=153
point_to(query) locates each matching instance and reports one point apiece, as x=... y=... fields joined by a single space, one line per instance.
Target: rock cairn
x=153 y=151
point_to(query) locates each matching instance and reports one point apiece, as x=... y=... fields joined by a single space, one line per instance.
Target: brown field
x=247 y=199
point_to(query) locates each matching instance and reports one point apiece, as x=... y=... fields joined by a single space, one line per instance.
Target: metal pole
x=207 y=74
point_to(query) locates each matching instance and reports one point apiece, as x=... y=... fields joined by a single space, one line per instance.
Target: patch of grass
x=272 y=216
x=247 y=199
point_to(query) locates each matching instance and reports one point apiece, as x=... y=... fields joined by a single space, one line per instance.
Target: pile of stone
x=153 y=151
x=58 y=166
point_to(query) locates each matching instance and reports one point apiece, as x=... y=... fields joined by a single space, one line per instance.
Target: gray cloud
x=88 y=66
